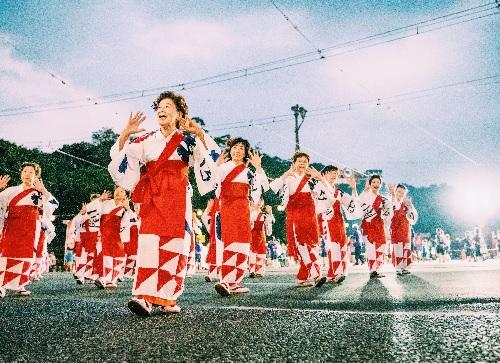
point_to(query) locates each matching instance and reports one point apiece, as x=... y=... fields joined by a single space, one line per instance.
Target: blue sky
x=105 y=47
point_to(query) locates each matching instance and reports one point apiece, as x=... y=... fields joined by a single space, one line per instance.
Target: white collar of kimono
x=159 y=135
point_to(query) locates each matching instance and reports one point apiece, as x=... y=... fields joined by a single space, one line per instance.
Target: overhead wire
x=267 y=67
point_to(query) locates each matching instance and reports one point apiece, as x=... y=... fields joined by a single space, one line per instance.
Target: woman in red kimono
x=236 y=183
x=21 y=210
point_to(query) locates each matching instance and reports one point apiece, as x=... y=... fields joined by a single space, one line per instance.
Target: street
x=440 y=313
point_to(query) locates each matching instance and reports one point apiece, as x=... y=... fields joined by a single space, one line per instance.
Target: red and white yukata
x=21 y=212
x=114 y=220
x=165 y=194
x=130 y=243
x=89 y=265
x=235 y=185
x=403 y=218
x=332 y=229
x=303 y=199
x=262 y=226
x=47 y=234
x=211 y=220
x=375 y=209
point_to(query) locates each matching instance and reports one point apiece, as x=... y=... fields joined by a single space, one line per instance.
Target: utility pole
x=298 y=111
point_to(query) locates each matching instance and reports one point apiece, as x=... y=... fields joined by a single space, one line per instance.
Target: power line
x=270 y=66
x=350 y=105
x=81 y=159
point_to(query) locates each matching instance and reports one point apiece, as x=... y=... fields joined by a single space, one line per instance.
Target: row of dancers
x=154 y=167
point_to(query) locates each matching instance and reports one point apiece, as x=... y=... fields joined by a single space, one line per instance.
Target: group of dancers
x=154 y=242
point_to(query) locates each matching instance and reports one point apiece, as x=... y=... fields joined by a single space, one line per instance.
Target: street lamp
x=298 y=111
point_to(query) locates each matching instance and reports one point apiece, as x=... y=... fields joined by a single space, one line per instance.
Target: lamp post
x=298 y=111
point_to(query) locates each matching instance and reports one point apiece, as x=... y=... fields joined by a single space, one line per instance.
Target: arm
x=126 y=156
x=268 y=221
x=204 y=165
x=411 y=213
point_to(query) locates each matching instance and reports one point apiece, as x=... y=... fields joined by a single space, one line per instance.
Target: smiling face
x=300 y=165
x=119 y=195
x=375 y=185
x=28 y=175
x=237 y=152
x=400 y=193
x=332 y=176
x=167 y=113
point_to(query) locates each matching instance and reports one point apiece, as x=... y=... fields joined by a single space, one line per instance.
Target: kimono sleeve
x=280 y=187
x=412 y=215
x=350 y=205
x=268 y=224
x=321 y=194
x=50 y=204
x=258 y=184
x=129 y=219
x=387 y=210
x=202 y=160
x=125 y=165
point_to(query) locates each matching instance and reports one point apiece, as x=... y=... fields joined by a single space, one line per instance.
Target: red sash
x=258 y=236
x=131 y=246
x=112 y=244
x=162 y=192
x=400 y=226
x=374 y=229
x=235 y=209
x=301 y=219
x=18 y=237
x=88 y=239
x=336 y=225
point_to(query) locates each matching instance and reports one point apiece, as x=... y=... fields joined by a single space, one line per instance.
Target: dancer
x=332 y=225
x=21 y=208
x=161 y=187
x=375 y=208
x=305 y=193
x=262 y=226
x=404 y=216
x=235 y=184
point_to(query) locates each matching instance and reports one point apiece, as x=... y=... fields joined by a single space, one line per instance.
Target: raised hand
x=4 y=180
x=189 y=125
x=133 y=127
x=38 y=185
x=313 y=173
x=256 y=160
x=84 y=209
x=269 y=209
x=288 y=172
x=133 y=124
x=223 y=158
x=106 y=195
x=391 y=188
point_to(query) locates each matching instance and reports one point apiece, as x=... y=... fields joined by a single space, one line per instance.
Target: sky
x=100 y=48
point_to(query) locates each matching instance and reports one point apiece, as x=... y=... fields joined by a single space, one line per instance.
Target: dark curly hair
x=239 y=140
x=300 y=154
x=38 y=169
x=178 y=100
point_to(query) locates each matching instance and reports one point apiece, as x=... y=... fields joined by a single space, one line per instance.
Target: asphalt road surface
x=440 y=313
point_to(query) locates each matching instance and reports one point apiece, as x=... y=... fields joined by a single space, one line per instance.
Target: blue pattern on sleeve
x=123 y=165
